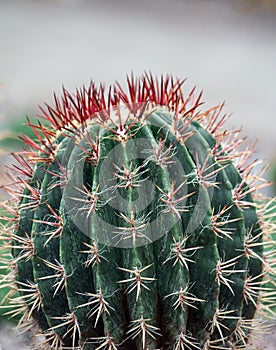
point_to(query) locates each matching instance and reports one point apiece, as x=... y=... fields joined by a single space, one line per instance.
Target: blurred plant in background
x=9 y=139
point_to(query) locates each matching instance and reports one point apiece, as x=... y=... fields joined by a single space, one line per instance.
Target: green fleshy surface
x=166 y=275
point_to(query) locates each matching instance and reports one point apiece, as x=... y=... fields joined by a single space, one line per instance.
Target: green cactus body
x=25 y=275
x=144 y=234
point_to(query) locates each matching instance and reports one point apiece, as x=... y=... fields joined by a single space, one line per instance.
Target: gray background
x=226 y=48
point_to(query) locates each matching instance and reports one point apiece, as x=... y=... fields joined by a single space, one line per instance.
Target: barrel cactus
x=135 y=222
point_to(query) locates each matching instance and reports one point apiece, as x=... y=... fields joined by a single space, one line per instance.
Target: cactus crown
x=135 y=222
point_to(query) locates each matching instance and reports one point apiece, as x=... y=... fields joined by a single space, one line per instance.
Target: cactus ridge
x=140 y=225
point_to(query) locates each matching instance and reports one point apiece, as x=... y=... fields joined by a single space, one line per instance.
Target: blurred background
x=225 y=47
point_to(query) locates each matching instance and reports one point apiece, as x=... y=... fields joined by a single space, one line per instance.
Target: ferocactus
x=135 y=223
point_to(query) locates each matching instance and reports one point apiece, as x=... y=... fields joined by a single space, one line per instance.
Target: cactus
x=135 y=222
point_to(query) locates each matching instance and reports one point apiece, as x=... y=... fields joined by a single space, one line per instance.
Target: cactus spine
x=138 y=224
